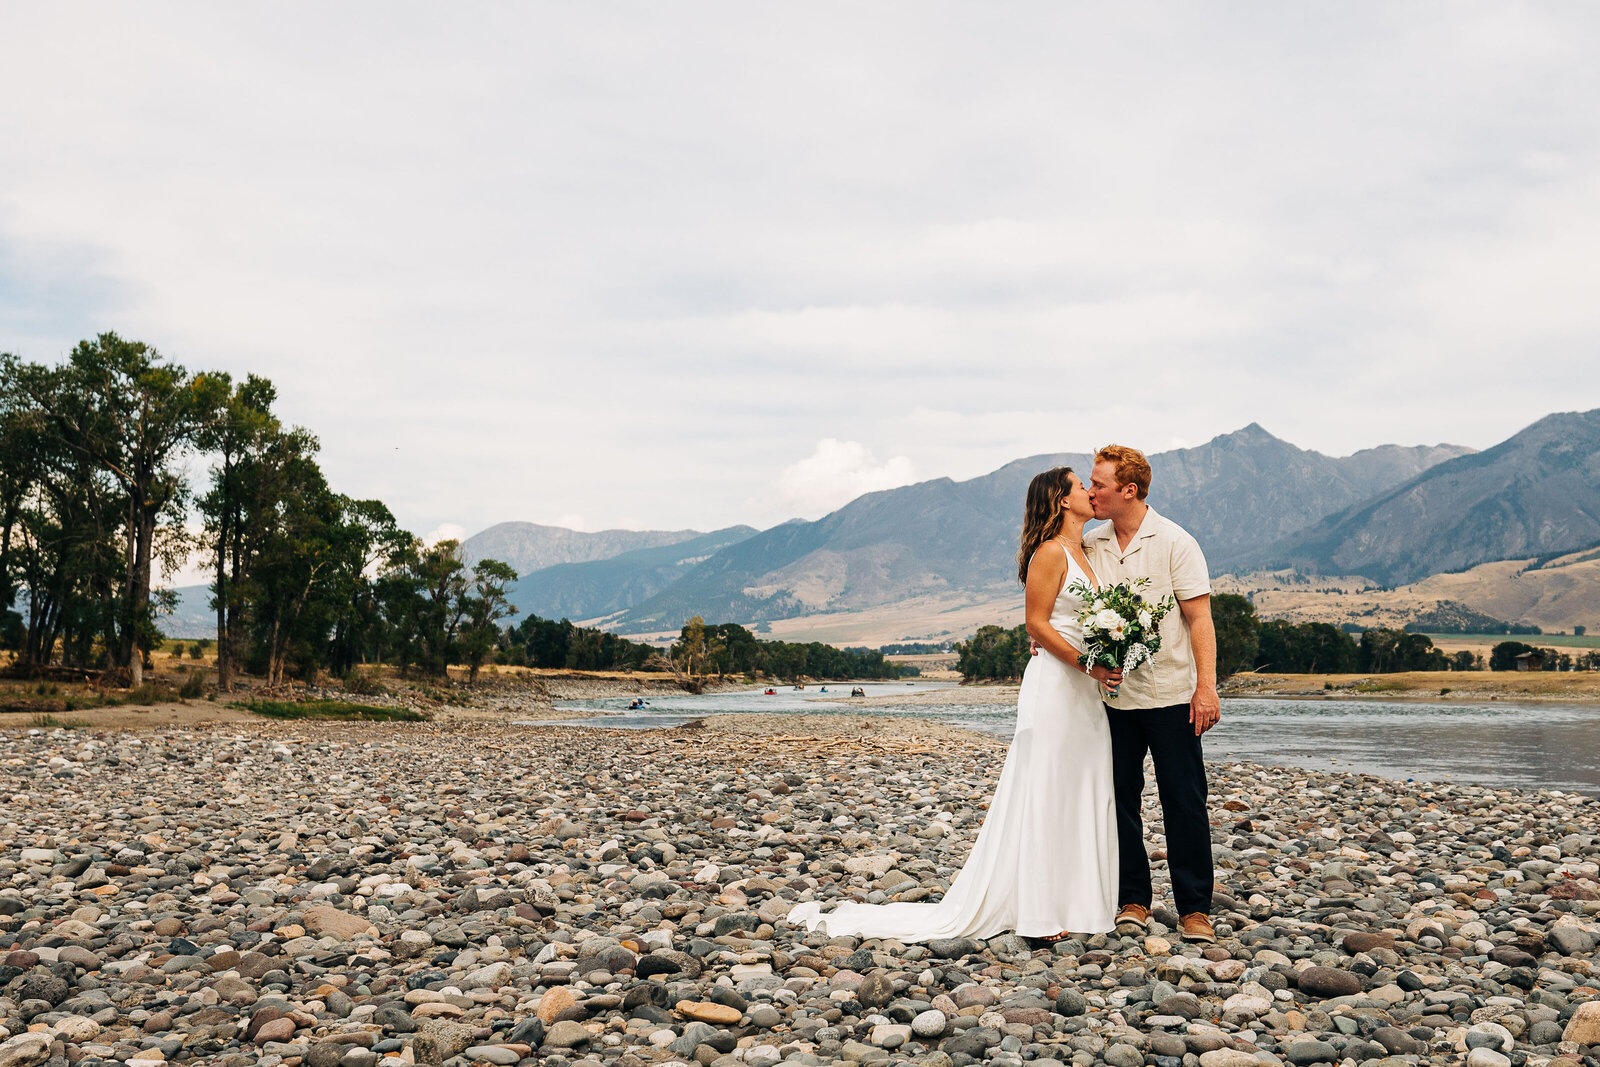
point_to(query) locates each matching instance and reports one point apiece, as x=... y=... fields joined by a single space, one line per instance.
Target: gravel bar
x=466 y=893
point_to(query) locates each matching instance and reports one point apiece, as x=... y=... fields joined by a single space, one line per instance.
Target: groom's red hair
x=1130 y=464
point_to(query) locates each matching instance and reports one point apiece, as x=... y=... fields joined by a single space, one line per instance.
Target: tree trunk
x=36 y=621
x=224 y=678
x=124 y=655
x=47 y=638
x=272 y=654
x=236 y=551
x=144 y=559
x=5 y=556
x=279 y=654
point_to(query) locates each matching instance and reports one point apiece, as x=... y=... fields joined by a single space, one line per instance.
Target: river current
x=1494 y=743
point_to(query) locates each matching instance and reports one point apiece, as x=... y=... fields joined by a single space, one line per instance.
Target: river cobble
x=379 y=894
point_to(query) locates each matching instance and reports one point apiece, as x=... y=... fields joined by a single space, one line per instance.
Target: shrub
x=994 y=652
x=331 y=709
x=362 y=683
x=151 y=693
x=50 y=722
x=194 y=687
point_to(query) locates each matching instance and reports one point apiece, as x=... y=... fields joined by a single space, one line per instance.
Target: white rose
x=1106 y=619
x=1098 y=606
x=1144 y=620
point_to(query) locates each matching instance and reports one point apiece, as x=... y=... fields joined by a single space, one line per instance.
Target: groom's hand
x=1205 y=710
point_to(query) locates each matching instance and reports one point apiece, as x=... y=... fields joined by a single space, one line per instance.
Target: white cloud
x=576 y=265
x=836 y=473
x=195 y=570
x=445 y=531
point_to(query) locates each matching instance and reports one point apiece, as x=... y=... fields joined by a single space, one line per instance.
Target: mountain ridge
x=1237 y=493
x=604 y=586
x=531 y=546
x=1535 y=493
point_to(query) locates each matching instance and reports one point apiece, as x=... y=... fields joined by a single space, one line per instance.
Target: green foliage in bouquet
x=1121 y=627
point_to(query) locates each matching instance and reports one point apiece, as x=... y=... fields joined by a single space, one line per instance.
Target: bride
x=1045 y=862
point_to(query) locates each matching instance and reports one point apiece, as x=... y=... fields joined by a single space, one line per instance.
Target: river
x=1495 y=743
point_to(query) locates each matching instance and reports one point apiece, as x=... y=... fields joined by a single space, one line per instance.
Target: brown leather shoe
x=1196 y=926
x=1133 y=919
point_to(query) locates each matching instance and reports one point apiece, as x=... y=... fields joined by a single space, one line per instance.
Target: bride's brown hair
x=1041 y=514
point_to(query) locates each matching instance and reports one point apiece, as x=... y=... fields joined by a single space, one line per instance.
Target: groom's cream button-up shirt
x=1165 y=553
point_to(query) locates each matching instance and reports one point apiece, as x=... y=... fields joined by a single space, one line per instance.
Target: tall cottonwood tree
x=92 y=495
x=239 y=438
x=369 y=539
x=485 y=604
x=18 y=472
x=67 y=549
x=125 y=411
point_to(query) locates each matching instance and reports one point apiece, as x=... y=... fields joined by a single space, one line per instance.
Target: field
x=943 y=617
x=1578 y=687
x=1556 y=595
x=933 y=667
x=1543 y=640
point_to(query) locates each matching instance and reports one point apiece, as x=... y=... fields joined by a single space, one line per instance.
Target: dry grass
x=1578 y=687
x=936 y=617
x=1557 y=596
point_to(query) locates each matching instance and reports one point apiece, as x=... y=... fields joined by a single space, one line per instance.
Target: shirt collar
x=1147 y=528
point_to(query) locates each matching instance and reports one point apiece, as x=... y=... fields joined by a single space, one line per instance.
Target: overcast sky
x=685 y=265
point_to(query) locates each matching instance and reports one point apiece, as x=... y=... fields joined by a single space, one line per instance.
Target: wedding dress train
x=1046 y=858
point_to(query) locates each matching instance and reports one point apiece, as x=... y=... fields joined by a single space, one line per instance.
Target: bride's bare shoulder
x=1049 y=558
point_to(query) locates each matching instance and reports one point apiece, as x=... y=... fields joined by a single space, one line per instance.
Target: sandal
x=1052 y=939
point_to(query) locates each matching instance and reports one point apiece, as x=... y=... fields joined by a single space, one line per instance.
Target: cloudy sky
x=687 y=265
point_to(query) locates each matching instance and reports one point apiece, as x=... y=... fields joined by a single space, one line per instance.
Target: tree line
x=701 y=650
x=537 y=642
x=730 y=649
x=1503 y=657
x=95 y=493
x=1245 y=642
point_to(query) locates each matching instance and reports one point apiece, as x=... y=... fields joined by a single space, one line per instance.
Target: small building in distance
x=1530 y=661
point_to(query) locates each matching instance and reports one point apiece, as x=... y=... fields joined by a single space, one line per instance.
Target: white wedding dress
x=1046 y=858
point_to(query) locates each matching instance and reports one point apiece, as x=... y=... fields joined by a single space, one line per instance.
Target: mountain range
x=595 y=587
x=1254 y=502
x=1534 y=494
x=529 y=547
x=1238 y=494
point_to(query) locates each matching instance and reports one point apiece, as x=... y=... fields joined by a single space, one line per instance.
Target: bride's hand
x=1106 y=676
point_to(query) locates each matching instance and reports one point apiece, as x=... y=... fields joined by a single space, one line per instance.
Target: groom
x=1165 y=705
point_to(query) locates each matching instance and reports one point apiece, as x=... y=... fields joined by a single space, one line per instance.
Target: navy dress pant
x=1167 y=735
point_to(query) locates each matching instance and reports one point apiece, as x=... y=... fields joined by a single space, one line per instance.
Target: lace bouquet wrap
x=1121 y=626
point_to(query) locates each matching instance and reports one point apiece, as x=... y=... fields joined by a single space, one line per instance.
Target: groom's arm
x=1205 y=708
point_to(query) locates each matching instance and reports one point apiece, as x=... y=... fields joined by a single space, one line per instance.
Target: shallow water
x=1495 y=743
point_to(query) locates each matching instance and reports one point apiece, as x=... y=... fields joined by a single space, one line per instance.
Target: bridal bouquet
x=1121 y=628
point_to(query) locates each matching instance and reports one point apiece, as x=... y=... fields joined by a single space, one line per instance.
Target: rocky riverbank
x=472 y=892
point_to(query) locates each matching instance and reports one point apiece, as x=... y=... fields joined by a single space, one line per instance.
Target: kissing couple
x=1062 y=850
